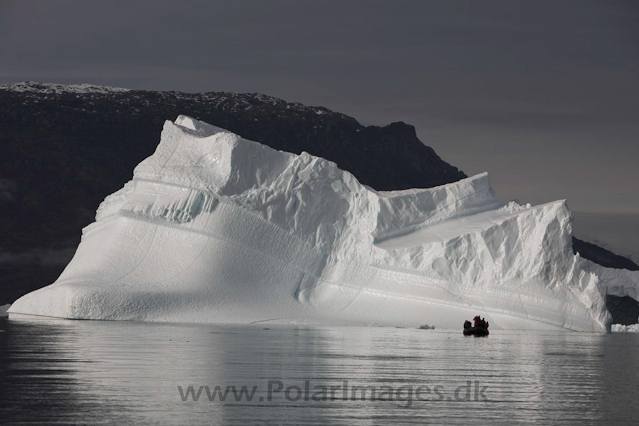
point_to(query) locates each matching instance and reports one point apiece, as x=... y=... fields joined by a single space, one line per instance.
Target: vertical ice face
x=216 y=228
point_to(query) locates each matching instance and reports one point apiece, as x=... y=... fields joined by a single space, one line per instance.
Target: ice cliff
x=216 y=228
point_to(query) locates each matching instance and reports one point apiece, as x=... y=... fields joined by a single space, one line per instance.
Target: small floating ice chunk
x=619 y=328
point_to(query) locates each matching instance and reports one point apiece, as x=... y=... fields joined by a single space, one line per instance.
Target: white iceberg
x=215 y=228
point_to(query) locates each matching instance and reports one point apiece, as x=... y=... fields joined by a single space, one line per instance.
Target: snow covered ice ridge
x=214 y=228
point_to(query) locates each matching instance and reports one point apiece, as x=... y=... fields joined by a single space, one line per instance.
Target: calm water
x=115 y=372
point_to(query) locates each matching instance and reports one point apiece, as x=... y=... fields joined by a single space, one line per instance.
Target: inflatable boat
x=476 y=331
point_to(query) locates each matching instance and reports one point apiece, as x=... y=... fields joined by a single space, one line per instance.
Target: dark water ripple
x=128 y=373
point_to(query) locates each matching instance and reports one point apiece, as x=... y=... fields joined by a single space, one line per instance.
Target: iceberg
x=620 y=328
x=214 y=228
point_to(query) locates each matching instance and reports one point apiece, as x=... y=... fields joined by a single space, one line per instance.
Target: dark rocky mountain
x=602 y=256
x=64 y=148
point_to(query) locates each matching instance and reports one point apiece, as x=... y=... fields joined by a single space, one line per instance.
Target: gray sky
x=542 y=95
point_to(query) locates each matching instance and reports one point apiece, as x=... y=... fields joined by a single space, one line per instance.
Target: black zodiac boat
x=480 y=328
x=476 y=331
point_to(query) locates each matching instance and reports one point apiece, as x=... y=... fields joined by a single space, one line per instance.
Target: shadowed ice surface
x=58 y=371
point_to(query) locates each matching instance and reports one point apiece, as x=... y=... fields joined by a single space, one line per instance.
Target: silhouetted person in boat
x=467 y=324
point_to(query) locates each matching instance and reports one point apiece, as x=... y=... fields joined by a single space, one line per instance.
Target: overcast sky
x=542 y=95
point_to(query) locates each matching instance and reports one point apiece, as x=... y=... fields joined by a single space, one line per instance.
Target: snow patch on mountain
x=260 y=104
x=216 y=228
x=52 y=88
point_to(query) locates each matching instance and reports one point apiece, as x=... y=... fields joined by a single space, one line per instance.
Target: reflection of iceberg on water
x=215 y=228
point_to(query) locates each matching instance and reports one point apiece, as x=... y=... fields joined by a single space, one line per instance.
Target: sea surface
x=59 y=371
